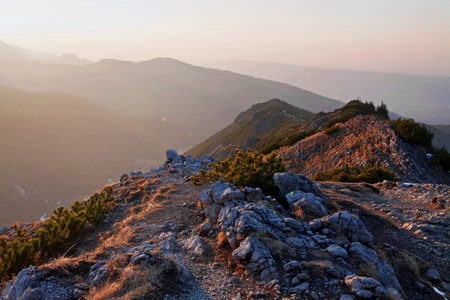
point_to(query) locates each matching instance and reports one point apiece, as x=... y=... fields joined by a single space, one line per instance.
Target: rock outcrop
x=359 y=141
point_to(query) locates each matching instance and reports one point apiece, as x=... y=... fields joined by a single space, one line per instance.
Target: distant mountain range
x=19 y=53
x=424 y=98
x=205 y=99
x=57 y=148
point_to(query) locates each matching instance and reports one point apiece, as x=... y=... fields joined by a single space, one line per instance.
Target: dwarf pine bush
x=245 y=169
x=63 y=226
x=369 y=174
x=413 y=132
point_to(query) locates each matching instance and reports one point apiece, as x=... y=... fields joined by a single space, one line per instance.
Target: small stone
x=314 y=295
x=293 y=265
x=336 y=250
x=302 y=287
x=362 y=293
x=420 y=286
x=380 y=292
x=234 y=280
x=437 y=252
x=433 y=275
x=393 y=294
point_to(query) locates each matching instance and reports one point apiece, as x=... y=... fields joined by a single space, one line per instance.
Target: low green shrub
x=61 y=227
x=270 y=147
x=441 y=158
x=413 y=133
x=357 y=107
x=295 y=137
x=331 y=130
x=245 y=169
x=369 y=174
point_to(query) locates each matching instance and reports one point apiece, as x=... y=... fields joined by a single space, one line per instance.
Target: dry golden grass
x=319 y=253
x=131 y=283
x=275 y=246
x=145 y=280
x=367 y=269
x=317 y=267
x=128 y=229
x=222 y=240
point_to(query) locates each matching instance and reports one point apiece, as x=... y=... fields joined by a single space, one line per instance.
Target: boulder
x=306 y=202
x=347 y=224
x=336 y=250
x=173 y=157
x=196 y=245
x=385 y=272
x=99 y=274
x=433 y=275
x=241 y=221
x=205 y=198
x=23 y=281
x=223 y=191
x=212 y=212
x=244 y=250
x=293 y=266
x=288 y=182
x=257 y=259
x=254 y=195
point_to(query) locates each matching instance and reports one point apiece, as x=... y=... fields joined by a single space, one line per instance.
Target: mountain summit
x=262 y=124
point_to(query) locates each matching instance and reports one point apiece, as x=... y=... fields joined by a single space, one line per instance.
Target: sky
x=404 y=36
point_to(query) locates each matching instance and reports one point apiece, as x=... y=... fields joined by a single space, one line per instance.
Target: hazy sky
x=409 y=36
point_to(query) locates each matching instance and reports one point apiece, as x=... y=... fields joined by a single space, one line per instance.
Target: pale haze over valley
x=90 y=90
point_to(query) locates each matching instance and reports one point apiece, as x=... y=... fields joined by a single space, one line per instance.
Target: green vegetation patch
x=245 y=169
x=63 y=226
x=369 y=174
x=413 y=132
x=357 y=107
x=441 y=157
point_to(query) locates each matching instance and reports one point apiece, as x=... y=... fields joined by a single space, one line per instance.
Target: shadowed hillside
x=57 y=147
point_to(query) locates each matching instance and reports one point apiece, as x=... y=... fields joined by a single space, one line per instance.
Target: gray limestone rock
x=212 y=212
x=196 y=245
x=385 y=272
x=288 y=182
x=206 y=198
x=99 y=274
x=306 y=202
x=254 y=195
x=17 y=288
x=345 y=223
x=244 y=250
x=173 y=157
x=223 y=191
x=359 y=282
x=293 y=266
x=433 y=275
x=336 y=250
